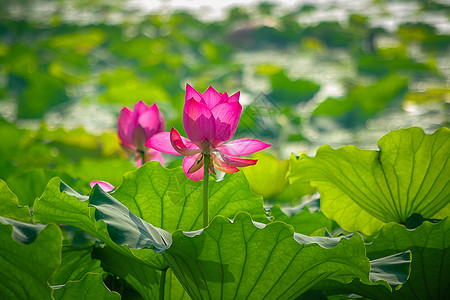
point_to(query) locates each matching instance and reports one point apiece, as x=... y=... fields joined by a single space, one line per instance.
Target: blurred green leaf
x=81 y=41
x=268 y=179
x=31 y=184
x=286 y=91
x=365 y=101
x=124 y=87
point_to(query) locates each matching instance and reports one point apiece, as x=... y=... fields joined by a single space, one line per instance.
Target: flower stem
x=162 y=284
x=205 y=190
x=142 y=154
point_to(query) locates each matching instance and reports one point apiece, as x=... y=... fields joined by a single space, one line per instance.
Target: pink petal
x=234 y=97
x=179 y=145
x=192 y=93
x=188 y=161
x=238 y=162
x=123 y=129
x=242 y=147
x=139 y=137
x=211 y=98
x=139 y=109
x=161 y=142
x=222 y=166
x=150 y=120
x=226 y=117
x=198 y=122
x=106 y=186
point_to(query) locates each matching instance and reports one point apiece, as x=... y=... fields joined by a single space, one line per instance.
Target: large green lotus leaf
x=247 y=260
x=91 y=286
x=124 y=227
x=144 y=279
x=393 y=269
x=76 y=263
x=9 y=205
x=430 y=248
x=362 y=189
x=169 y=200
x=29 y=255
x=59 y=204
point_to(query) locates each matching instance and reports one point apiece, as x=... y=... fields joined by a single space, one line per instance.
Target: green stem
x=205 y=190
x=162 y=284
x=142 y=154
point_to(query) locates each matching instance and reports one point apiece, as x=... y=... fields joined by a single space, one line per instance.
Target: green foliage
x=54 y=62
x=247 y=259
x=362 y=189
x=304 y=219
x=287 y=92
x=29 y=256
x=9 y=205
x=430 y=249
x=91 y=286
x=364 y=101
x=57 y=206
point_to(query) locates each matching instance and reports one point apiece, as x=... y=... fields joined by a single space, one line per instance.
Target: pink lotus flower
x=106 y=186
x=136 y=126
x=209 y=119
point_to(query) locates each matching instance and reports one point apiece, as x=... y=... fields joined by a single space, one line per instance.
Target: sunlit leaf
x=169 y=200
x=59 y=204
x=362 y=189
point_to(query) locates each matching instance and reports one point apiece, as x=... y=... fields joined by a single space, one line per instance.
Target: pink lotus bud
x=106 y=186
x=135 y=127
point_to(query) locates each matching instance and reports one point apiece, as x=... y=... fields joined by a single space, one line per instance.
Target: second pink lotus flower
x=210 y=119
x=136 y=126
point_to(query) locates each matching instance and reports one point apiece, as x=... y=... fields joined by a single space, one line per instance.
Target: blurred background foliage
x=331 y=72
